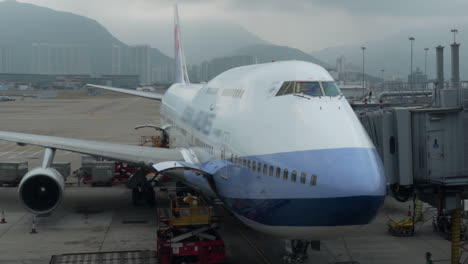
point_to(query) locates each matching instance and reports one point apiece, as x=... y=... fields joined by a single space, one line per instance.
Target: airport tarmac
x=103 y=219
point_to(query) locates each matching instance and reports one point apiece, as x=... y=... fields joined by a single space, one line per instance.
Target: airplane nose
x=362 y=173
x=364 y=181
x=353 y=172
x=356 y=183
x=350 y=189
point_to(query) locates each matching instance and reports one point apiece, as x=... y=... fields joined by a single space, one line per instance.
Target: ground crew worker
x=428 y=258
x=176 y=212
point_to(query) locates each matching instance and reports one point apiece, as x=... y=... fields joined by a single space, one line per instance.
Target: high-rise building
x=116 y=59
x=204 y=71
x=341 y=67
x=139 y=63
x=6 y=59
x=418 y=78
x=194 y=73
x=60 y=59
x=163 y=74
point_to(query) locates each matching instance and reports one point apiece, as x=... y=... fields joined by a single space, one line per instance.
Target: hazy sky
x=305 y=24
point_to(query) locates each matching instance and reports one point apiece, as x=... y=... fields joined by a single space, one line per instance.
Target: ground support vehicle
x=188 y=232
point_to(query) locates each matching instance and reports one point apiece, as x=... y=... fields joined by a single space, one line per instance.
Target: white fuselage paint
x=237 y=117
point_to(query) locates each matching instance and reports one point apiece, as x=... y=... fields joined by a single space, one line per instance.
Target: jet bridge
x=421 y=147
x=424 y=148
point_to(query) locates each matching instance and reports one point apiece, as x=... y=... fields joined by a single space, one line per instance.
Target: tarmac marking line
x=12 y=225
x=7 y=147
x=8 y=152
x=105 y=235
x=259 y=252
x=19 y=153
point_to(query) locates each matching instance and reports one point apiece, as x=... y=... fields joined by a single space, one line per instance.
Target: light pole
x=425 y=61
x=411 y=39
x=363 y=67
x=454 y=31
x=425 y=64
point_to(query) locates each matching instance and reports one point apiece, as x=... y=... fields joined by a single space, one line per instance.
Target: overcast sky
x=305 y=24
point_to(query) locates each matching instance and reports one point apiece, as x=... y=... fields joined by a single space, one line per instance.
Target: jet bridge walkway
x=424 y=147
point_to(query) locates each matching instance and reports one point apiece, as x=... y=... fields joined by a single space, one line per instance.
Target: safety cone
x=3 y=221
x=409 y=210
x=33 y=228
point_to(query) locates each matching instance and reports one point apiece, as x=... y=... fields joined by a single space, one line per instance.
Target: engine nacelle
x=41 y=190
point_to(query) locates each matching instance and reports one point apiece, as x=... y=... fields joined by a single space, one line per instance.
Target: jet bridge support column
x=456 y=232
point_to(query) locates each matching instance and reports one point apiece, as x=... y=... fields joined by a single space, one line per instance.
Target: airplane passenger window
x=309 y=88
x=265 y=168
x=248 y=164
x=271 y=170
x=278 y=173
x=313 y=180
x=244 y=162
x=259 y=167
x=330 y=89
x=303 y=177
x=254 y=165
x=293 y=177
x=285 y=174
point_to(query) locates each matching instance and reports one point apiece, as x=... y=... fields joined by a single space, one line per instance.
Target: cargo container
x=12 y=172
x=64 y=168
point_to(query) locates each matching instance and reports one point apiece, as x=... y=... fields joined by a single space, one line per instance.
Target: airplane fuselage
x=292 y=165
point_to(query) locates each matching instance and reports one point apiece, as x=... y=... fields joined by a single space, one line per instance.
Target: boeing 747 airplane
x=277 y=143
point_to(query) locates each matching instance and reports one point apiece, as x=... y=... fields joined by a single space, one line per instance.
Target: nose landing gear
x=142 y=189
x=296 y=251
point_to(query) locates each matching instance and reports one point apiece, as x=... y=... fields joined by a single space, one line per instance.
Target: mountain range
x=268 y=53
x=23 y=24
x=393 y=54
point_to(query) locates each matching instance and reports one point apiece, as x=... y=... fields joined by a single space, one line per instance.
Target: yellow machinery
x=418 y=211
x=189 y=210
x=403 y=227
x=456 y=232
x=153 y=141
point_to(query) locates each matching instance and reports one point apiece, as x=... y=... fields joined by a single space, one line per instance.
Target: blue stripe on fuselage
x=339 y=211
x=340 y=173
x=350 y=187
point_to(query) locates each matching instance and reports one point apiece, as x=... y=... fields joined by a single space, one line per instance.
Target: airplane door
x=224 y=142
x=435 y=152
x=224 y=155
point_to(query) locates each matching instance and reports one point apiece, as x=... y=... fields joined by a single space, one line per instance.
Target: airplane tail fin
x=181 y=73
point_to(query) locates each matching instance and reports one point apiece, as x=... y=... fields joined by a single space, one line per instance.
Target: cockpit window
x=286 y=88
x=330 y=89
x=309 y=88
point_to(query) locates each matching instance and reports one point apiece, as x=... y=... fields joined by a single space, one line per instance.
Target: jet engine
x=41 y=190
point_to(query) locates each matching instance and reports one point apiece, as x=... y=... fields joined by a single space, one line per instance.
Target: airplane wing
x=127 y=153
x=149 y=95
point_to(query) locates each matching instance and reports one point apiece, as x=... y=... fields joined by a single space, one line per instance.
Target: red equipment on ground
x=187 y=233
